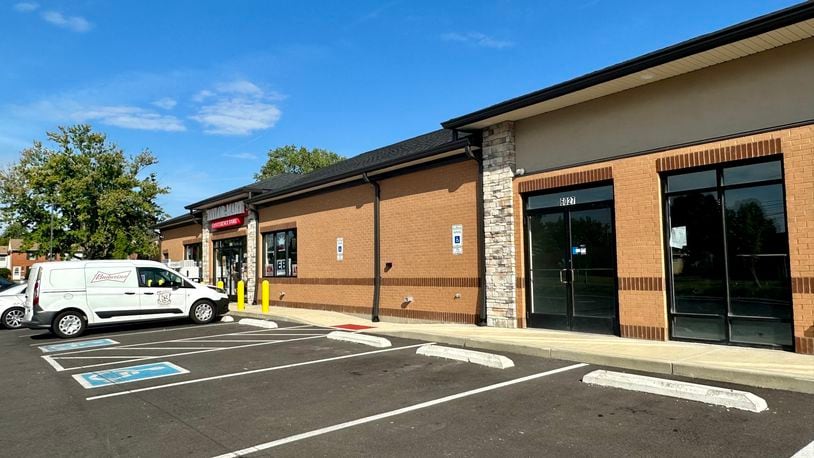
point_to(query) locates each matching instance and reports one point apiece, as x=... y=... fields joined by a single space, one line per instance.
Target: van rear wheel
x=202 y=312
x=69 y=324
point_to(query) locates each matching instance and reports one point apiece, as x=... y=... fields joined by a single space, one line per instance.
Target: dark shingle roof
x=270 y=184
x=405 y=151
x=177 y=221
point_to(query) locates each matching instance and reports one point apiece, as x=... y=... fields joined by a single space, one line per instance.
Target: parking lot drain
x=734 y=399
x=364 y=339
x=259 y=323
x=467 y=356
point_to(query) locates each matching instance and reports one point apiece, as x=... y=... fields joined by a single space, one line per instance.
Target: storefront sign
x=235 y=208
x=457 y=239
x=227 y=222
x=340 y=249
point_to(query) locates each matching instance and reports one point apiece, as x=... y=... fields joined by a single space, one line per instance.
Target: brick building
x=666 y=197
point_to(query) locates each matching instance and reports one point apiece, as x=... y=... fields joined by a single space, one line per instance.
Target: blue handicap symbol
x=78 y=345
x=457 y=239
x=128 y=374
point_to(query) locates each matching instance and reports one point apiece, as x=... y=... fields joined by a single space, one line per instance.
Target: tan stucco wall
x=772 y=88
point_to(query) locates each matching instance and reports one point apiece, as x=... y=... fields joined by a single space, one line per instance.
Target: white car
x=12 y=306
x=67 y=297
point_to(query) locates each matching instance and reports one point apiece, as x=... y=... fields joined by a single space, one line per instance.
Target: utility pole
x=51 y=242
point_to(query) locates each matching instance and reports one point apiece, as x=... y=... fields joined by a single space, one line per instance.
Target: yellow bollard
x=265 y=296
x=220 y=284
x=240 y=298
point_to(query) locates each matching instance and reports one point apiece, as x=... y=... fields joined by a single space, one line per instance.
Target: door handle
x=148 y=294
x=561 y=279
x=129 y=293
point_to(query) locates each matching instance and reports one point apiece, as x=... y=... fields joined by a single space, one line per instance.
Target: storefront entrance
x=571 y=261
x=728 y=264
x=230 y=263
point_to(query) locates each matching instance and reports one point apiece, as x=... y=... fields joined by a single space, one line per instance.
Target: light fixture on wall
x=520 y=172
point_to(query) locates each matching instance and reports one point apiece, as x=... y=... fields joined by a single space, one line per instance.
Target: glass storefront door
x=571 y=261
x=230 y=263
x=728 y=255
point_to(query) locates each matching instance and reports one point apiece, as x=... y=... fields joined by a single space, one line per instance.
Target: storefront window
x=192 y=252
x=728 y=248
x=280 y=253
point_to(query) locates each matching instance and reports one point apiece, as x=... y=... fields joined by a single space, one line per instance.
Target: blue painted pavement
x=128 y=374
x=77 y=345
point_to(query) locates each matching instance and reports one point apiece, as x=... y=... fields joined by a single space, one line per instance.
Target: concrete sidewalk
x=745 y=366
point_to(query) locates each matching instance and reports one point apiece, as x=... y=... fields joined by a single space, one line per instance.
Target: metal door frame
x=566 y=211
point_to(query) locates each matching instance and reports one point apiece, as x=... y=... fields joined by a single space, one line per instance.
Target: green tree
x=84 y=195
x=291 y=159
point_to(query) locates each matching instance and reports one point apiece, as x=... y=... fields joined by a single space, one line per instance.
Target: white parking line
x=53 y=363
x=392 y=413
x=805 y=452
x=195 y=326
x=249 y=372
x=207 y=350
x=143 y=344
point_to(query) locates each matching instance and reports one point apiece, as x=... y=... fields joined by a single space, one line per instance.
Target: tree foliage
x=296 y=160
x=94 y=198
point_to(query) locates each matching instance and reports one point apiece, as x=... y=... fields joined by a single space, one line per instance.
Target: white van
x=66 y=297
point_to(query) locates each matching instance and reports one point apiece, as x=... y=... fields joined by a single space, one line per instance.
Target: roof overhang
x=760 y=34
x=447 y=150
x=220 y=199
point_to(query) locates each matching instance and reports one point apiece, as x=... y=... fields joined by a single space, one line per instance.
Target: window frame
x=292 y=269
x=720 y=189
x=182 y=284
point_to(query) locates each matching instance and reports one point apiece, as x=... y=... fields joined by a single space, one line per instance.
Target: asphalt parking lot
x=226 y=388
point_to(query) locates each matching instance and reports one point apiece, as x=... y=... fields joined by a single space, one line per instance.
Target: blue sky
x=210 y=86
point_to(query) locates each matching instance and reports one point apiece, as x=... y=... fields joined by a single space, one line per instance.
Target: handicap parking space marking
x=129 y=374
x=77 y=345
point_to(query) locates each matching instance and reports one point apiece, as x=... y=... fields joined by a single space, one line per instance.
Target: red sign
x=227 y=222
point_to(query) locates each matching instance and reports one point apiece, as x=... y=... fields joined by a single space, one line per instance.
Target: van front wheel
x=69 y=324
x=202 y=312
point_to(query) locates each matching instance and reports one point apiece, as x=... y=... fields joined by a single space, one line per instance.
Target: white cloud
x=477 y=39
x=237 y=107
x=130 y=117
x=26 y=7
x=246 y=156
x=202 y=95
x=74 y=23
x=165 y=103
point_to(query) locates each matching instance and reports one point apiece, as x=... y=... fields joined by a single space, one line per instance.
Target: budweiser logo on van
x=119 y=277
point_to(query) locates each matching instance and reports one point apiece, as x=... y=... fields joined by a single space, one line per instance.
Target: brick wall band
x=642 y=332
x=452 y=282
x=446 y=317
x=718 y=155
x=567 y=179
x=802 y=285
x=641 y=283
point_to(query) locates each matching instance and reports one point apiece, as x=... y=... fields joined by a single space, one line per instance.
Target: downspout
x=377 y=271
x=481 y=239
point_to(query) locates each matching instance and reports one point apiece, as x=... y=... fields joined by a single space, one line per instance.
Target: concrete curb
x=259 y=323
x=467 y=356
x=724 y=397
x=364 y=339
x=718 y=374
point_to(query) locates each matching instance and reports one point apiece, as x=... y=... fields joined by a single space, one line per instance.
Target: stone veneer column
x=251 y=261
x=205 y=249
x=499 y=162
